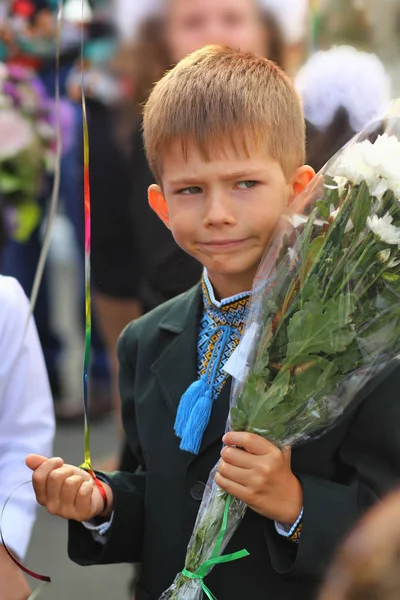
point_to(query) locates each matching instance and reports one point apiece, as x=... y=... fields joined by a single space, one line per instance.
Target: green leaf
x=238 y=419
x=319 y=328
x=253 y=393
x=311 y=256
x=305 y=408
x=362 y=201
x=267 y=400
x=349 y=360
x=323 y=208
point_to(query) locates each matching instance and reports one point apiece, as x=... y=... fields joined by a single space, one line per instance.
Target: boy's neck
x=226 y=286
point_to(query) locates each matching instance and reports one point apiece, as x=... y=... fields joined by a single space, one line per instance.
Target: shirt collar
x=225 y=301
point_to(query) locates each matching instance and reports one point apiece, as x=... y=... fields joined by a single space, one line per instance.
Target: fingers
x=234 y=473
x=56 y=481
x=252 y=443
x=58 y=487
x=70 y=489
x=40 y=475
x=84 y=499
x=231 y=487
x=33 y=461
x=237 y=457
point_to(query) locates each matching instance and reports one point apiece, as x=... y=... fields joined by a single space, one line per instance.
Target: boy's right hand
x=67 y=491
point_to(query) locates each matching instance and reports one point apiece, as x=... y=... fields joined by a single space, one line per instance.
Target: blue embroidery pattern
x=231 y=313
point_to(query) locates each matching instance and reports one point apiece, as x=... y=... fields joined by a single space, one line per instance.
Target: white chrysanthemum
x=377 y=164
x=383 y=228
x=16 y=134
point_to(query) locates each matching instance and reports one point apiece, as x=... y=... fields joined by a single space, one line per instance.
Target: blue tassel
x=187 y=404
x=196 y=404
x=197 y=423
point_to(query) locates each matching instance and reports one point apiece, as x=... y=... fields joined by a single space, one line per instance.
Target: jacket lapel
x=176 y=369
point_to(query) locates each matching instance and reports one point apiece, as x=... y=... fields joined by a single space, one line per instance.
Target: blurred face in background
x=192 y=24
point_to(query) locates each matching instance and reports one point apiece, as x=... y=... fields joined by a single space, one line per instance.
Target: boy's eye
x=194 y=189
x=246 y=185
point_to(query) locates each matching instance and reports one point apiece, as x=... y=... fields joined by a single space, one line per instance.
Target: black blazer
x=342 y=473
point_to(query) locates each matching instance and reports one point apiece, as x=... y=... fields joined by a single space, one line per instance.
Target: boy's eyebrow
x=238 y=175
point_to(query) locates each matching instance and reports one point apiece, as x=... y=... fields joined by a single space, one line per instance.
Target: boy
x=224 y=135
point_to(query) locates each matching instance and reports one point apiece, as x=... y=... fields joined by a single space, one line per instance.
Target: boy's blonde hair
x=218 y=94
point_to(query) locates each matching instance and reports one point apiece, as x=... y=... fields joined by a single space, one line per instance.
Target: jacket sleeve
x=123 y=541
x=371 y=453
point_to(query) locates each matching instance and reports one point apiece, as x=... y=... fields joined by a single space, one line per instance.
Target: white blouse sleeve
x=26 y=413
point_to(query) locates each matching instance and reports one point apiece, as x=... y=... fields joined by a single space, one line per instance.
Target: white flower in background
x=16 y=134
x=377 y=164
x=383 y=228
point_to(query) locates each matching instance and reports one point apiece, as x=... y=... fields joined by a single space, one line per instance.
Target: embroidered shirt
x=230 y=312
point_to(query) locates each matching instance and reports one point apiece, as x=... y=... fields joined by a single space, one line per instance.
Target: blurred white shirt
x=129 y=15
x=293 y=16
x=26 y=413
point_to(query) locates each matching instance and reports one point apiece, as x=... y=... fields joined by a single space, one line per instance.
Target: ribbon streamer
x=43 y=578
x=206 y=567
x=87 y=465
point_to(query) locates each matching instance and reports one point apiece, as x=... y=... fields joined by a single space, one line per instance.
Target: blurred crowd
x=136 y=264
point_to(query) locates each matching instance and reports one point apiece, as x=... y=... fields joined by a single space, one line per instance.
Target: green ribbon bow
x=206 y=567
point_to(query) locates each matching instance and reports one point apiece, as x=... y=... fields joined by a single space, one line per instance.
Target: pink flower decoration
x=16 y=134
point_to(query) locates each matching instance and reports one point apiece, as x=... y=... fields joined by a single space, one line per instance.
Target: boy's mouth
x=223 y=244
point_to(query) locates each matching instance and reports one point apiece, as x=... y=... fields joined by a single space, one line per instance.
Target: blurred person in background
x=293 y=19
x=367 y=566
x=342 y=90
x=113 y=257
x=29 y=34
x=26 y=422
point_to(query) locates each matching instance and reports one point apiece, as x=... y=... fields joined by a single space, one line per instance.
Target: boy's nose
x=218 y=212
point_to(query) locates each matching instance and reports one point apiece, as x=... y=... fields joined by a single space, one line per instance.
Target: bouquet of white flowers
x=324 y=321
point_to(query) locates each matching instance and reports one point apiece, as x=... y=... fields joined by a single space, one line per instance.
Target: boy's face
x=223 y=212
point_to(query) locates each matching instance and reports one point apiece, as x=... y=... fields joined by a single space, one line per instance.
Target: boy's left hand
x=258 y=473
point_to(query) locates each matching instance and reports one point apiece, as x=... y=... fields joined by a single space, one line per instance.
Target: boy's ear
x=158 y=203
x=301 y=178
